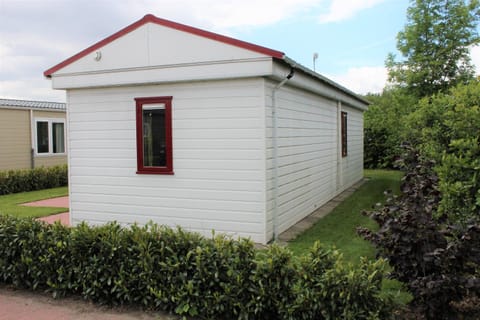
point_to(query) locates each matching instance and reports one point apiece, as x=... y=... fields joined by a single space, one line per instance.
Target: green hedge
x=13 y=181
x=165 y=269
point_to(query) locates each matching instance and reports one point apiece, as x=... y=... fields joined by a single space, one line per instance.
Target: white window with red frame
x=154 y=135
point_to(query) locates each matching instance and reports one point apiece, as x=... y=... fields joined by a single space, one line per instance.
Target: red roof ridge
x=170 y=24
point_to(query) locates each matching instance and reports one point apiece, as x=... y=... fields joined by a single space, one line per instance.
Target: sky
x=351 y=37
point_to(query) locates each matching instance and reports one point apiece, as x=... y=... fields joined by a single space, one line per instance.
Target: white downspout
x=69 y=158
x=275 y=152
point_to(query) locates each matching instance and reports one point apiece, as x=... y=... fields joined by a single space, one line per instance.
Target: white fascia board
x=258 y=67
x=315 y=85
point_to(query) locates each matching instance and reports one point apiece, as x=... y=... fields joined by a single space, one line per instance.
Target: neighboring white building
x=186 y=127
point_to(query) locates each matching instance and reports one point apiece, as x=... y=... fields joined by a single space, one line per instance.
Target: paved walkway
x=63 y=217
x=26 y=305
x=60 y=202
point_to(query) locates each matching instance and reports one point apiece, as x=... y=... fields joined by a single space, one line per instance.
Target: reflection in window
x=344 y=135
x=154 y=146
x=154 y=135
x=50 y=136
x=42 y=137
x=58 y=138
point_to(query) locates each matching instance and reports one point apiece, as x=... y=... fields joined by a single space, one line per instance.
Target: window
x=58 y=137
x=50 y=136
x=344 y=134
x=154 y=135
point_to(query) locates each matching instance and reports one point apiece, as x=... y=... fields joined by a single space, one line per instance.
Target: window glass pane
x=58 y=138
x=154 y=143
x=42 y=137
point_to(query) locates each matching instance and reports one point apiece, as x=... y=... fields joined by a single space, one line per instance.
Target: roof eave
x=292 y=63
x=32 y=104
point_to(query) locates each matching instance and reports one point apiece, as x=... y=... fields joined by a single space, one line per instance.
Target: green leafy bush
x=438 y=261
x=320 y=290
x=13 y=181
x=274 y=275
x=446 y=129
x=161 y=268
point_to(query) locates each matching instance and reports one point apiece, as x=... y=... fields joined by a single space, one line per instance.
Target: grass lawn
x=339 y=227
x=10 y=203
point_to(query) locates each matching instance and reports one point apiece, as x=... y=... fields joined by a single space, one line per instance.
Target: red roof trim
x=170 y=24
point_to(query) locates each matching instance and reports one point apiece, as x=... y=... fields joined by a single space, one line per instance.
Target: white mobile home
x=186 y=127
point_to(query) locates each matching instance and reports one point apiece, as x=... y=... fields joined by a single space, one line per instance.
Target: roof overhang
x=297 y=66
x=213 y=69
x=311 y=81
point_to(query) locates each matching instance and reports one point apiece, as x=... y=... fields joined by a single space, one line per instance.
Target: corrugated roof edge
x=292 y=63
x=32 y=104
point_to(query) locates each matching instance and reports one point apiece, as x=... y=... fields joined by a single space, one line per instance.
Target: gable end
x=169 y=24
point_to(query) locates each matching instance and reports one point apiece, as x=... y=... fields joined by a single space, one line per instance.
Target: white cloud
x=35 y=35
x=253 y=13
x=344 y=9
x=222 y=15
x=23 y=58
x=475 y=55
x=363 y=80
x=31 y=89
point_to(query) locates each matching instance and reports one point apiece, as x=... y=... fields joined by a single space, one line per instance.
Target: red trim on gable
x=81 y=54
x=170 y=24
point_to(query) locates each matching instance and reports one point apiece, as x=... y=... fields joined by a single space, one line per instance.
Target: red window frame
x=140 y=102
x=344 y=134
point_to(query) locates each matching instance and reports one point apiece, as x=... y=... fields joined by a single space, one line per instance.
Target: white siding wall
x=307 y=154
x=308 y=151
x=352 y=164
x=218 y=158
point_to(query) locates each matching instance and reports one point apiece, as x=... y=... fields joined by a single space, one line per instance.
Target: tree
x=446 y=129
x=384 y=126
x=435 y=44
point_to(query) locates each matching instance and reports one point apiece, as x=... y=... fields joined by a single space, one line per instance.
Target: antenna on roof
x=315 y=57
